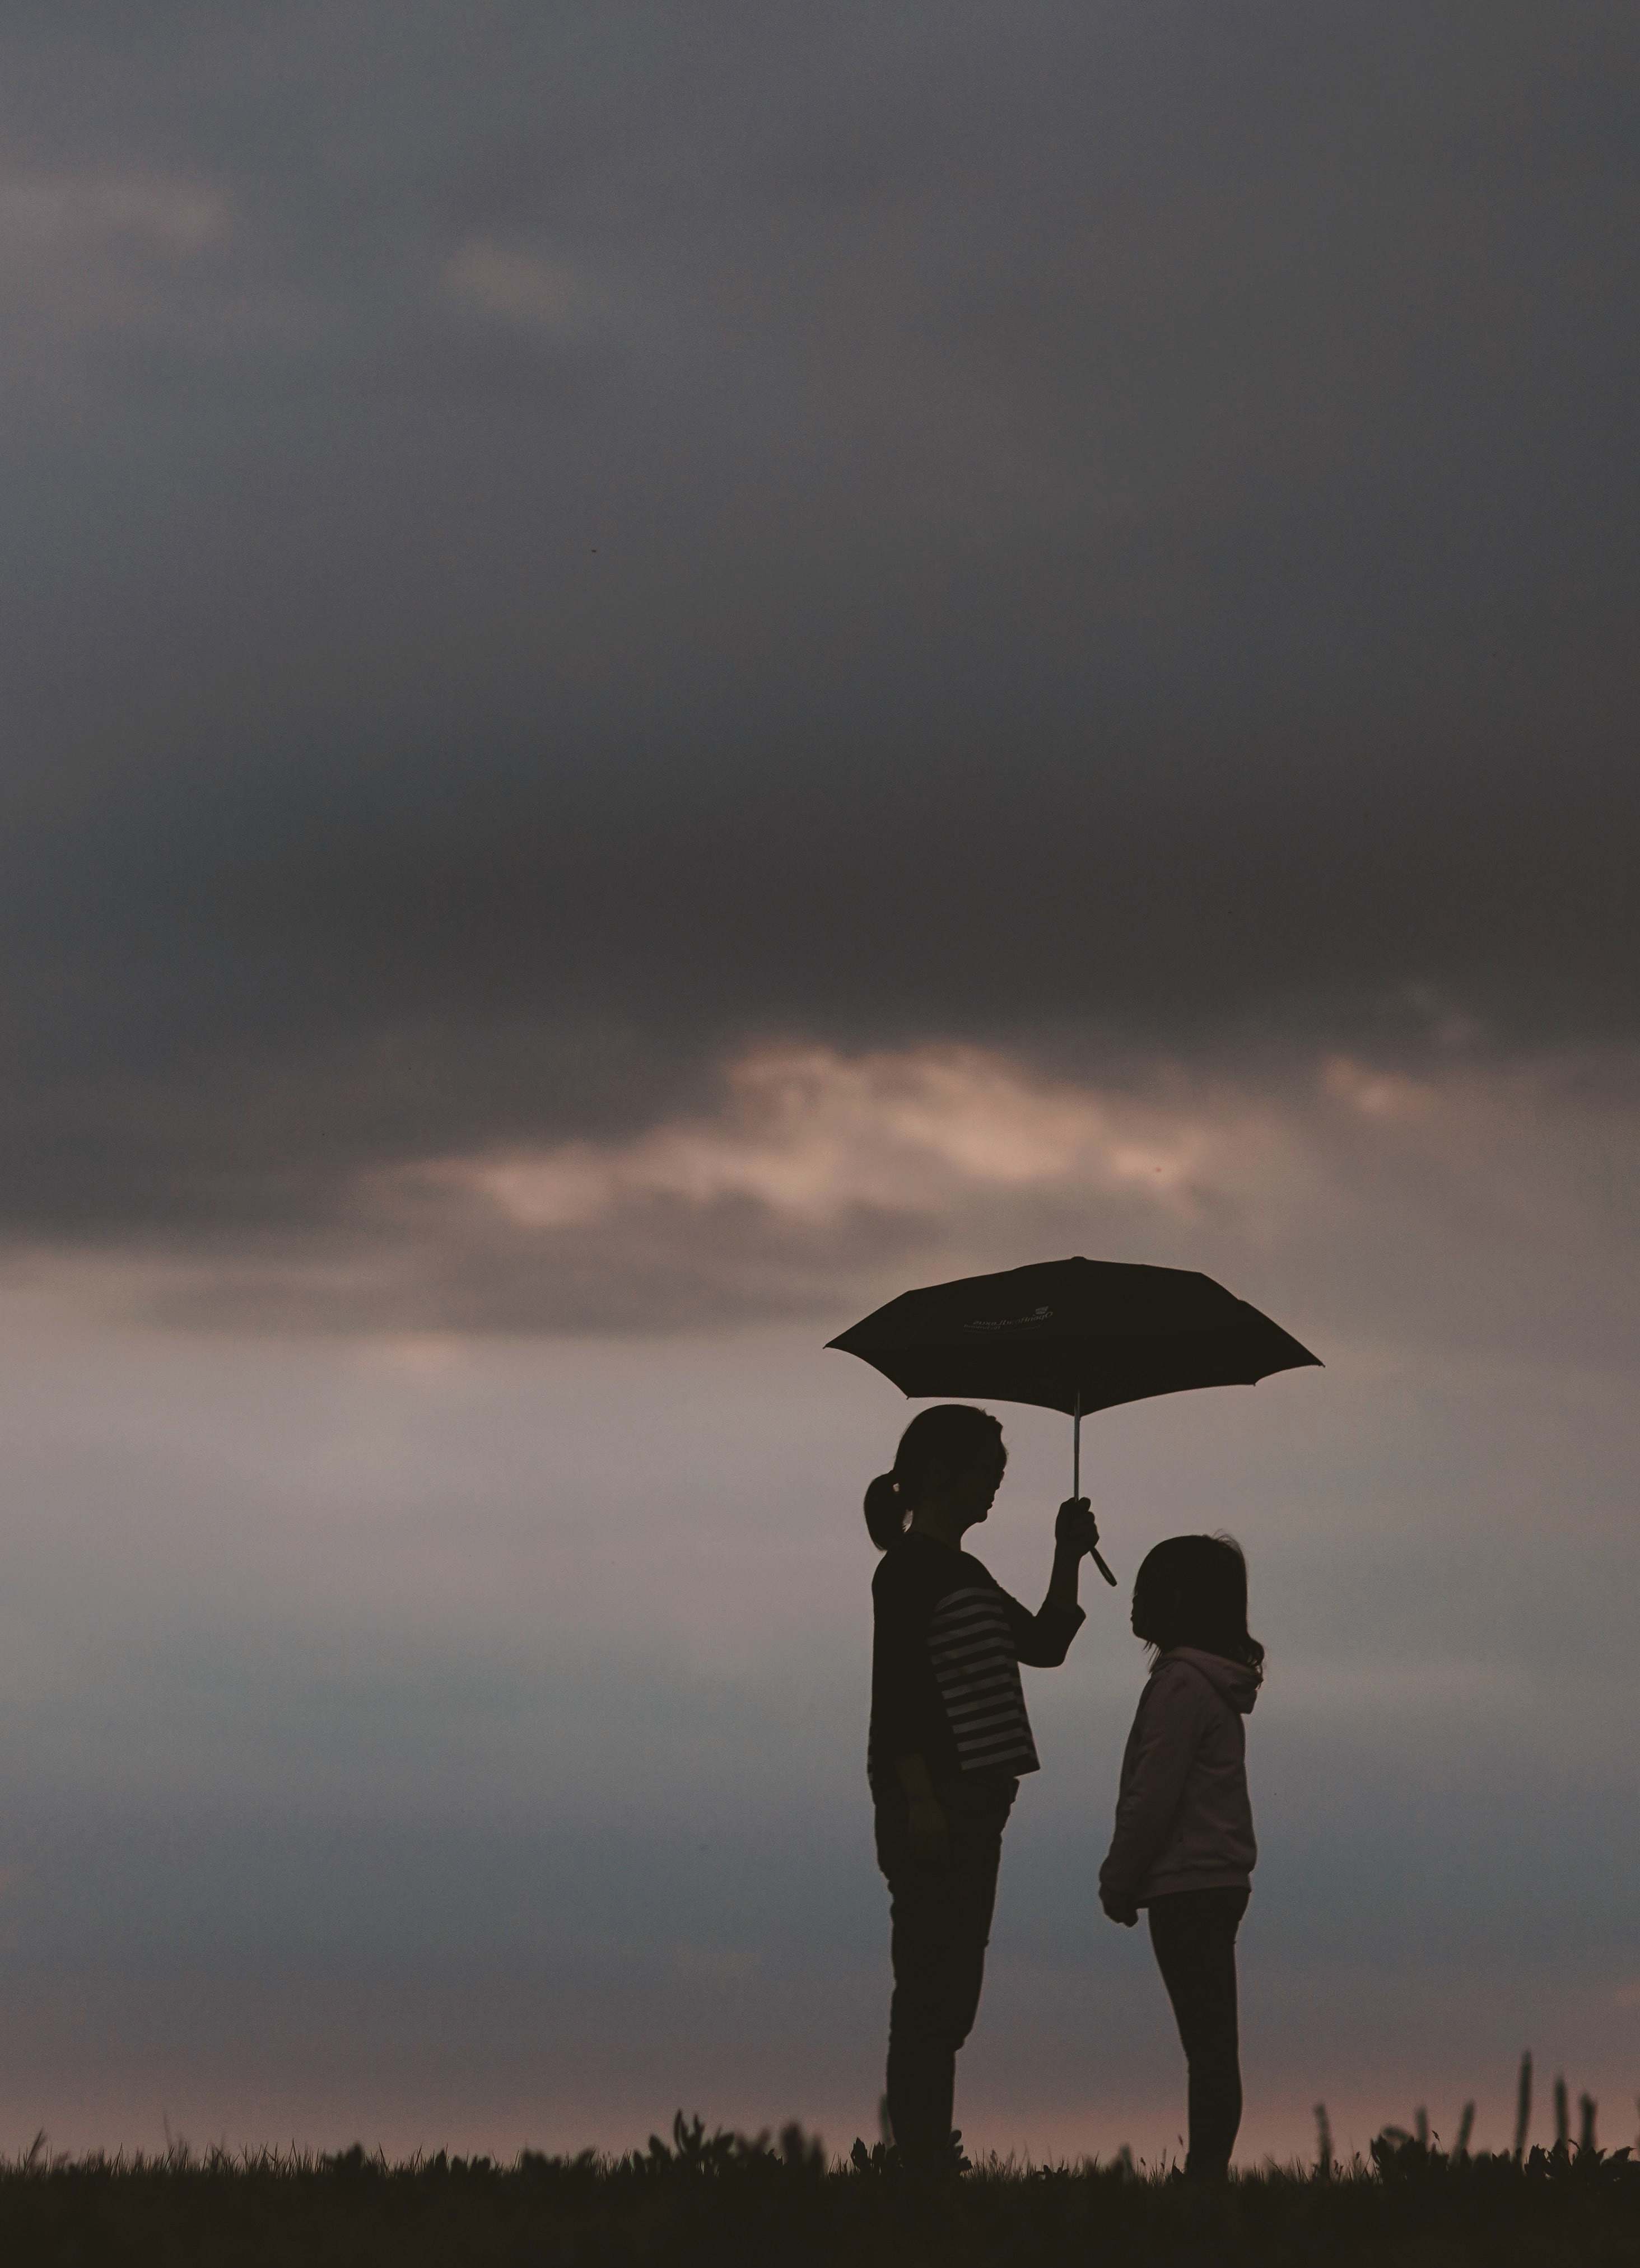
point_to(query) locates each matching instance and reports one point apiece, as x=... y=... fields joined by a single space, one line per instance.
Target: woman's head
x=952 y=1454
x=1192 y=1590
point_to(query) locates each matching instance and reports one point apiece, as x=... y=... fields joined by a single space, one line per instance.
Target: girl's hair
x=953 y=1433
x=1193 y=1591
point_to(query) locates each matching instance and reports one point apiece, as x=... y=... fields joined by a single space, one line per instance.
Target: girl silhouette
x=949 y=1739
x=1184 y=1843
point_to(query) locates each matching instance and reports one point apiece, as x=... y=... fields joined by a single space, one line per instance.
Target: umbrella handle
x=1076 y=1481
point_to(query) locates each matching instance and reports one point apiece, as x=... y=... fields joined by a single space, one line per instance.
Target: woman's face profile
x=974 y=1485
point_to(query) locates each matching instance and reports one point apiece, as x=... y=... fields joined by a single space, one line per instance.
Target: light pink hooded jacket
x=1183 y=1819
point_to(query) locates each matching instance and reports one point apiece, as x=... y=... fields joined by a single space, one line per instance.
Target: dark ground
x=721 y=2198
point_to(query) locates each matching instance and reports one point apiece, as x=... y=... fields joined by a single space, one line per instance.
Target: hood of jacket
x=1238 y=1684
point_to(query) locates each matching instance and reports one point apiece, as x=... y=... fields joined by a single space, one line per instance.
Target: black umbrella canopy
x=1072 y=1335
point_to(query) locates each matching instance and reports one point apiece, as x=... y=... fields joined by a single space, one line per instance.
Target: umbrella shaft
x=1076 y=1480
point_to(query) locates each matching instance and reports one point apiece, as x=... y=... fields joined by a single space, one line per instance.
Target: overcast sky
x=666 y=669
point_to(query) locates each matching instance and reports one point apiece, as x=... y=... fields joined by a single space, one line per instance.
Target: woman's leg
x=1194 y=1933
x=941 y=1925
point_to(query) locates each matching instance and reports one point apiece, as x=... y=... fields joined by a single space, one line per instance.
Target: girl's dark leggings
x=1194 y=1933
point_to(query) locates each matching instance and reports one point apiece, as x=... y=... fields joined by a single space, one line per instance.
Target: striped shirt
x=971 y=1650
x=947 y=1646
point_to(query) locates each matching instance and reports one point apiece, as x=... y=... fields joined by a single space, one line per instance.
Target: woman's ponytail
x=949 y=1435
x=885 y=1511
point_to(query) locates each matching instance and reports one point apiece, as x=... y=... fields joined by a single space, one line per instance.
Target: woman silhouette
x=950 y=1740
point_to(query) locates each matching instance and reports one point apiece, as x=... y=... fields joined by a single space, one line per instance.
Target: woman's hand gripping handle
x=1077 y=1530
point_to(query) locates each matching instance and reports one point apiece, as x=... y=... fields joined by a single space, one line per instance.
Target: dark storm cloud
x=545 y=542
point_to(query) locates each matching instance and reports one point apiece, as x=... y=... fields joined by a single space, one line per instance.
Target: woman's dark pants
x=941 y=1923
x=1194 y=1933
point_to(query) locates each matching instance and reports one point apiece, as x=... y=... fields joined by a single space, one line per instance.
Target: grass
x=711 y=2197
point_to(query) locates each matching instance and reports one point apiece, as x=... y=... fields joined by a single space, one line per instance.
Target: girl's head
x=950 y=1457
x=1193 y=1591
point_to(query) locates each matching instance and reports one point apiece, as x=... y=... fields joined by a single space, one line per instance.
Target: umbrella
x=1072 y=1335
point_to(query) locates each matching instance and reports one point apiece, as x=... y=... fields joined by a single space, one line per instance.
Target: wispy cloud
x=520 y=288
x=80 y=216
x=88 y=259
x=1473 y=1204
x=809 y=1134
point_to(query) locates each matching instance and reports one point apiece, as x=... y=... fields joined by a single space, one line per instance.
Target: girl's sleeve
x=1173 y=1712
x=1042 y=1640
